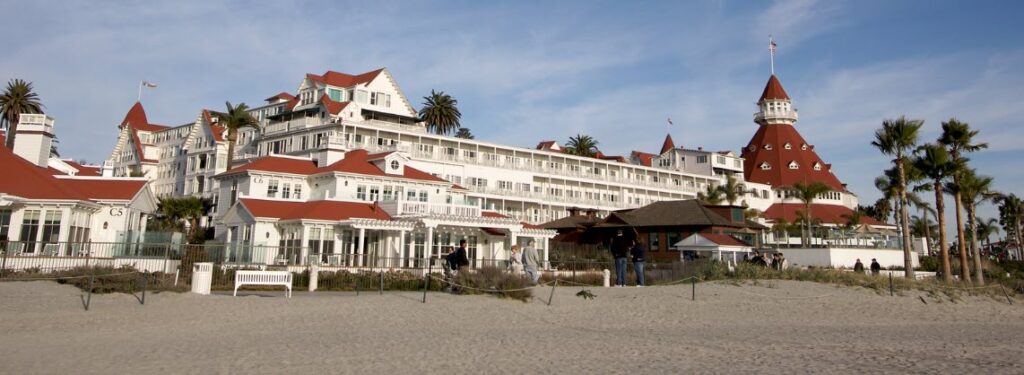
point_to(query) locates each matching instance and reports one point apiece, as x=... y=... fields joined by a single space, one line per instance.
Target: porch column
x=547 y=253
x=428 y=252
x=360 y=247
x=401 y=249
x=303 y=245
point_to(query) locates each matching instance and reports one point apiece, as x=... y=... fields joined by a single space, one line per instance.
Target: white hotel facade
x=335 y=113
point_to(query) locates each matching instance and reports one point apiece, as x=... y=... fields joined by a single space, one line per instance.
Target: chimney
x=34 y=138
x=574 y=211
x=331 y=151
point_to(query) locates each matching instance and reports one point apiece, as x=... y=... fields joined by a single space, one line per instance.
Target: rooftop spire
x=668 y=145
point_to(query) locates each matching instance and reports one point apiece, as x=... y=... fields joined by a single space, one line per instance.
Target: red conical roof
x=768 y=148
x=773 y=90
x=668 y=145
x=136 y=116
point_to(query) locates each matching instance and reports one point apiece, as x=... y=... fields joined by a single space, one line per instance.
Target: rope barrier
x=452 y=283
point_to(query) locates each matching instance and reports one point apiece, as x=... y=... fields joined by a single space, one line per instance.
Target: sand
x=781 y=327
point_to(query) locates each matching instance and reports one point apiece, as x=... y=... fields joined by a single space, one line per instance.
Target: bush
x=929 y=264
x=496 y=281
x=124 y=279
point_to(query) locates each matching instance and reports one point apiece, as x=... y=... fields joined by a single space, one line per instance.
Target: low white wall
x=846 y=257
x=51 y=264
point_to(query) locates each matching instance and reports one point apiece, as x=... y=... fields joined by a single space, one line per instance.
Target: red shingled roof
x=282 y=95
x=315 y=210
x=773 y=90
x=278 y=164
x=33 y=182
x=827 y=213
x=723 y=239
x=216 y=130
x=84 y=170
x=344 y=80
x=332 y=106
x=355 y=161
x=778 y=159
x=645 y=158
x=668 y=144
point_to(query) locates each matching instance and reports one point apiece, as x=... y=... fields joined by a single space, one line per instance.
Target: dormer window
x=766 y=166
x=768 y=146
x=751 y=148
x=803 y=147
x=794 y=165
x=817 y=166
x=394 y=165
x=787 y=146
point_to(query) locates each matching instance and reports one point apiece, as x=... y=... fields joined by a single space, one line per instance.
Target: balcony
x=410 y=208
x=294 y=124
x=769 y=115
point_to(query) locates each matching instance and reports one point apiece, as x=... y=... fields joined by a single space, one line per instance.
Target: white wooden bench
x=282 y=278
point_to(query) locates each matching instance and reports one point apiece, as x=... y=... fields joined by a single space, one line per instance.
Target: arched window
x=768 y=146
x=787 y=146
x=766 y=166
x=817 y=166
x=803 y=147
x=794 y=165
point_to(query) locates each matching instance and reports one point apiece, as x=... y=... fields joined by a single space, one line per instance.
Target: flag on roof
x=148 y=84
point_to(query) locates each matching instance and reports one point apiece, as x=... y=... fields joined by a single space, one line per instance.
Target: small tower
x=775 y=106
x=34 y=138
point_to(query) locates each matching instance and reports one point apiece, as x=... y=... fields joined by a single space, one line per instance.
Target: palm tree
x=464 y=133
x=986 y=228
x=807 y=193
x=1011 y=213
x=440 y=113
x=975 y=190
x=896 y=138
x=919 y=225
x=710 y=195
x=235 y=119
x=926 y=209
x=176 y=211
x=16 y=100
x=935 y=164
x=732 y=190
x=782 y=227
x=853 y=220
x=958 y=138
x=582 y=145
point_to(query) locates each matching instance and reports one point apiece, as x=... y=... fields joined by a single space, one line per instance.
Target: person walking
x=515 y=261
x=858 y=267
x=461 y=257
x=639 y=253
x=531 y=262
x=875 y=267
x=620 y=250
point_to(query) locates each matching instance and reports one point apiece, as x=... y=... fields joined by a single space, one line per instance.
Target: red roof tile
x=355 y=161
x=827 y=213
x=216 y=130
x=344 y=80
x=282 y=95
x=315 y=210
x=668 y=144
x=773 y=90
x=33 y=182
x=723 y=239
x=645 y=158
x=779 y=158
x=278 y=164
x=105 y=189
x=332 y=106
x=84 y=170
x=492 y=214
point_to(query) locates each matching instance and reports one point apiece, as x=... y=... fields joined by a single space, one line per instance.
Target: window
x=652 y=241
x=505 y=185
x=803 y=147
x=411 y=195
x=787 y=146
x=5 y=224
x=272 y=189
x=794 y=165
x=423 y=195
x=817 y=166
x=335 y=95
x=768 y=146
x=298 y=191
x=29 y=229
x=51 y=227
x=361 y=96
x=673 y=238
x=389 y=193
x=701 y=159
x=721 y=160
x=764 y=194
x=766 y=166
x=374 y=193
x=361 y=192
x=234 y=191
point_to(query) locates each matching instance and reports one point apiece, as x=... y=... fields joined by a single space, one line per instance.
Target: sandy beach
x=781 y=327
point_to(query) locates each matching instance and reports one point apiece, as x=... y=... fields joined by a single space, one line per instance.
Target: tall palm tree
x=897 y=138
x=582 y=145
x=782 y=227
x=1011 y=214
x=176 y=211
x=807 y=193
x=235 y=119
x=16 y=100
x=440 y=113
x=959 y=139
x=975 y=190
x=919 y=225
x=732 y=190
x=986 y=228
x=710 y=195
x=935 y=164
x=926 y=210
x=464 y=133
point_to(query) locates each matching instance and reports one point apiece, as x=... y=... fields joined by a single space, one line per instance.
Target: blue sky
x=527 y=71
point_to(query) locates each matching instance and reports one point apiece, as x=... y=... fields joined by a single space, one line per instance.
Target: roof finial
x=771 y=50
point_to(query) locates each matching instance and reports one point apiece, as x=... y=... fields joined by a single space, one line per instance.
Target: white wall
x=846 y=257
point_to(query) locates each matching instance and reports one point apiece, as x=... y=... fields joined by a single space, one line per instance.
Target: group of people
x=875 y=267
x=525 y=259
x=777 y=261
x=622 y=249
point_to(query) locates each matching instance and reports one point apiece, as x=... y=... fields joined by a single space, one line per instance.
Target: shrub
x=496 y=281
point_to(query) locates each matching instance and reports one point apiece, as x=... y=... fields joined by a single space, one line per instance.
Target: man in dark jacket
x=639 y=253
x=858 y=267
x=461 y=256
x=875 y=267
x=620 y=250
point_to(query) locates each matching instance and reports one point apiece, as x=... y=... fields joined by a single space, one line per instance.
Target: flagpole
x=139 y=99
x=771 y=51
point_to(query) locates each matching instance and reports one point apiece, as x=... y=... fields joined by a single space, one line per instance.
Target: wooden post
x=890 y=284
x=145 y=283
x=426 y=280
x=693 y=291
x=382 y=281
x=1008 y=300
x=88 y=300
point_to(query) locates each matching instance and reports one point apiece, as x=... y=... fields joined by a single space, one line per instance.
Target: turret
x=775 y=106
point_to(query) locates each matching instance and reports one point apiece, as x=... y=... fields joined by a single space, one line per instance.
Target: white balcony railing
x=411 y=208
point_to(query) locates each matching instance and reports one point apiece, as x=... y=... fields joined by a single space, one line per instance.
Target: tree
x=235 y=119
x=896 y=138
x=176 y=212
x=975 y=190
x=732 y=190
x=16 y=100
x=926 y=210
x=959 y=139
x=440 y=113
x=710 y=195
x=782 y=228
x=582 y=145
x=935 y=164
x=1011 y=214
x=919 y=225
x=986 y=228
x=853 y=220
x=807 y=193
x=464 y=133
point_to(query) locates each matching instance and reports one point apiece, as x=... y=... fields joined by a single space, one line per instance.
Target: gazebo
x=716 y=246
